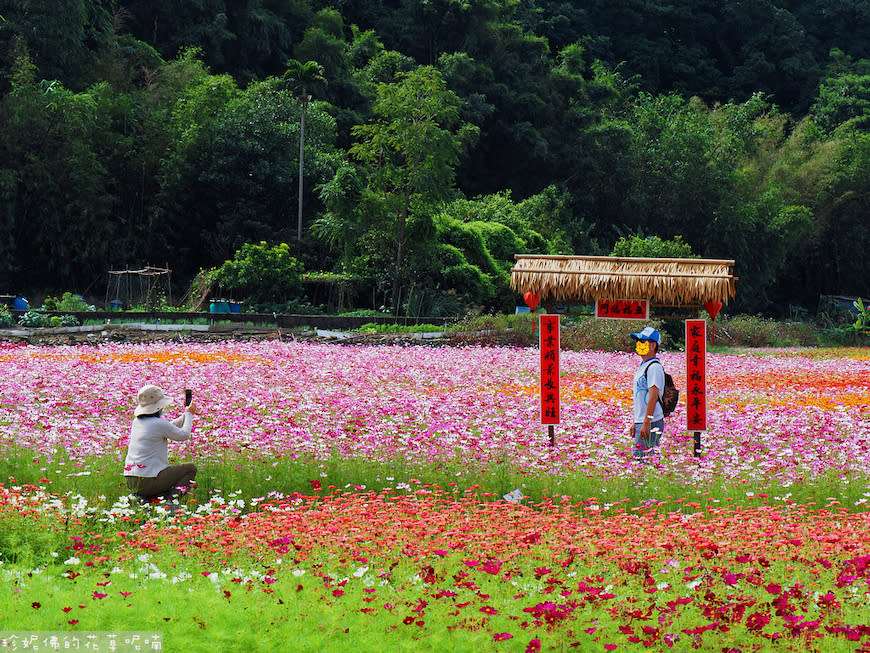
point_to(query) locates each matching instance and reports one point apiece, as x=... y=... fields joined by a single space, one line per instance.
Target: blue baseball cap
x=648 y=334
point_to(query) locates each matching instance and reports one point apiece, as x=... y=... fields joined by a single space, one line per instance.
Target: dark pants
x=165 y=483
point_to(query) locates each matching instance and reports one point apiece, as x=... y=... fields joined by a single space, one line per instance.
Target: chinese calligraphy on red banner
x=622 y=309
x=550 y=344
x=696 y=375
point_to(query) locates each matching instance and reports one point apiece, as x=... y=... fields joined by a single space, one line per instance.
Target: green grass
x=98 y=479
x=372 y=327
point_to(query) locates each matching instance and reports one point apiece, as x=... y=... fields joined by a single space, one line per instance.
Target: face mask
x=642 y=347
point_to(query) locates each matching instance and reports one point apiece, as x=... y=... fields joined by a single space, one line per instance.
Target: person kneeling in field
x=146 y=467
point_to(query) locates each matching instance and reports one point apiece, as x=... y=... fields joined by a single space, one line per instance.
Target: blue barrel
x=20 y=304
x=235 y=307
x=116 y=305
x=219 y=306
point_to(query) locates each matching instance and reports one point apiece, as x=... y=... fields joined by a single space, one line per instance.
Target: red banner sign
x=696 y=375
x=550 y=344
x=622 y=309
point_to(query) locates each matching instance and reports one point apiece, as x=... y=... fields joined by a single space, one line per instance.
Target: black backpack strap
x=646 y=369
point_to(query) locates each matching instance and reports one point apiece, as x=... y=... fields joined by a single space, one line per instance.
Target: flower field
x=350 y=498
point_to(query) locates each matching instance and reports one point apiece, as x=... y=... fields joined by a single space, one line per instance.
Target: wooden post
x=552 y=431
x=697 y=435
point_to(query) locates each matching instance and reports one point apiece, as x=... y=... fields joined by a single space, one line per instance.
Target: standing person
x=146 y=467
x=649 y=383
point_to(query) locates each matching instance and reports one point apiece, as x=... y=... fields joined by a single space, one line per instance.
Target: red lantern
x=713 y=308
x=531 y=299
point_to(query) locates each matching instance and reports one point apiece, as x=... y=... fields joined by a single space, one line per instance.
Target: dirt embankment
x=214 y=333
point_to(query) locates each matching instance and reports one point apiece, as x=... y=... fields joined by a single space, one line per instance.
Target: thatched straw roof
x=683 y=281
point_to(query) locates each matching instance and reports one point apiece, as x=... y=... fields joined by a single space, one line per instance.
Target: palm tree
x=301 y=77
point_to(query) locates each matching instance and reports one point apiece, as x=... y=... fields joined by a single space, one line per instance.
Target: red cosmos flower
x=67 y=608
x=338 y=593
x=99 y=595
x=491 y=567
x=73 y=622
x=36 y=605
x=774 y=588
x=757 y=620
x=408 y=620
x=533 y=646
x=540 y=572
x=489 y=610
x=315 y=485
x=501 y=637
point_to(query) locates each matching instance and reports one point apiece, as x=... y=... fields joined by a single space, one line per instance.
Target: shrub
x=67 y=302
x=607 y=335
x=33 y=319
x=748 y=331
x=262 y=276
x=494 y=329
x=375 y=327
x=652 y=247
x=6 y=319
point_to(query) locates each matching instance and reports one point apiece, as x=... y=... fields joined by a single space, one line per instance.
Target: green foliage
x=67 y=302
x=6 y=319
x=172 y=135
x=35 y=319
x=375 y=327
x=577 y=334
x=607 y=335
x=409 y=154
x=652 y=247
x=260 y=275
x=863 y=321
x=757 y=331
x=843 y=98
x=500 y=329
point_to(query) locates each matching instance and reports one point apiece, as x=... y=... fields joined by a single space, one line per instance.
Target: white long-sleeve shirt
x=147 y=451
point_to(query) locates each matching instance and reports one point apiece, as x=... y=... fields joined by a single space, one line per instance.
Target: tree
x=410 y=151
x=302 y=77
x=265 y=277
x=843 y=98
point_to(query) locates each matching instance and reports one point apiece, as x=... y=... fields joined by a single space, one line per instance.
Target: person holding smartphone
x=146 y=467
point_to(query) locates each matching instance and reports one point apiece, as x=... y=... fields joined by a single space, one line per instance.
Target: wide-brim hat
x=151 y=399
x=648 y=334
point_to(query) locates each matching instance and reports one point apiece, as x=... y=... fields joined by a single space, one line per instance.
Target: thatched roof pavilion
x=669 y=281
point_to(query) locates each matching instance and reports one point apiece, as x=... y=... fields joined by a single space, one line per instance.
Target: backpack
x=670 y=396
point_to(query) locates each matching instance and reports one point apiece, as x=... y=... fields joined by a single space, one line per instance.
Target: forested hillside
x=440 y=138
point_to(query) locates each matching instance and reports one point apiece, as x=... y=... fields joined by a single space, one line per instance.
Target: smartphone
x=188 y=397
